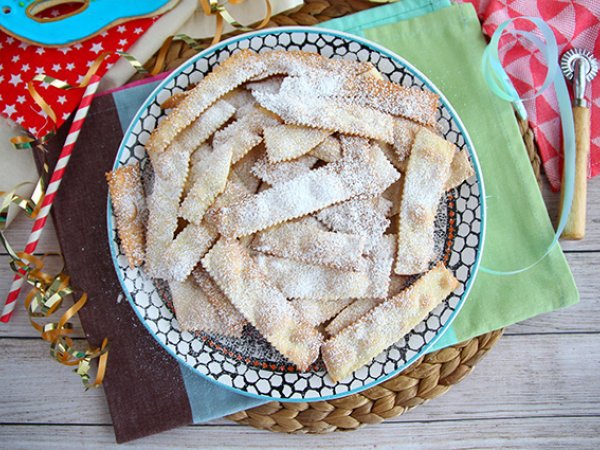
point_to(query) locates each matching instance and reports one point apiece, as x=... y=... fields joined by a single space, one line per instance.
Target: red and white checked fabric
x=20 y=62
x=53 y=185
x=575 y=24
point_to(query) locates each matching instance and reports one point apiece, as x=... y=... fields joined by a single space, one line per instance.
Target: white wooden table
x=538 y=387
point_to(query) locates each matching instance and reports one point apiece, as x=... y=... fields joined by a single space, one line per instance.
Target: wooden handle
x=575 y=228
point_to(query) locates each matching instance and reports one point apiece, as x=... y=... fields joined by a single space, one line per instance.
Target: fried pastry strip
x=170 y=164
x=269 y=85
x=235 y=190
x=230 y=317
x=369 y=173
x=357 y=344
x=241 y=99
x=167 y=164
x=304 y=242
x=329 y=150
x=243 y=168
x=215 y=170
x=286 y=142
x=316 y=311
x=173 y=100
x=426 y=174
x=297 y=279
x=360 y=151
x=391 y=155
x=460 y=170
x=380 y=259
x=391 y=98
x=195 y=170
x=129 y=204
x=195 y=313
x=351 y=313
x=263 y=305
x=233 y=72
x=171 y=171
x=185 y=251
x=394 y=195
x=163 y=205
x=296 y=107
x=404 y=136
x=223 y=79
x=274 y=173
x=244 y=134
x=365 y=217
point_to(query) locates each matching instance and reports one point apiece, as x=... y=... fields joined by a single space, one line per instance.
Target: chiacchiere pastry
x=355 y=345
x=294 y=194
x=129 y=204
x=426 y=174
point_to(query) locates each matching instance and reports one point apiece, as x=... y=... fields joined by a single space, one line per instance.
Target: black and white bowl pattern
x=249 y=364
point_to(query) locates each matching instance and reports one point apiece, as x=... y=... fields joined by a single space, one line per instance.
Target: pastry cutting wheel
x=580 y=67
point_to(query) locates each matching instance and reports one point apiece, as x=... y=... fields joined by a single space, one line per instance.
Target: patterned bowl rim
x=377 y=48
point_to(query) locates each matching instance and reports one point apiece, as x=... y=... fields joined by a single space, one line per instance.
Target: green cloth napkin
x=447 y=45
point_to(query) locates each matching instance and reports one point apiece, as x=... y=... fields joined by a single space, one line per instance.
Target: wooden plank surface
x=538 y=388
x=510 y=375
x=543 y=433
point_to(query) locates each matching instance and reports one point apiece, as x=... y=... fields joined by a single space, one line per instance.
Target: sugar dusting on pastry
x=275 y=178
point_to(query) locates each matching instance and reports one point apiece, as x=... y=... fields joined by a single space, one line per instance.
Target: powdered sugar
x=356 y=344
x=285 y=142
x=230 y=317
x=295 y=107
x=317 y=311
x=308 y=243
x=297 y=279
x=329 y=150
x=338 y=117
x=274 y=173
x=365 y=217
x=427 y=172
x=351 y=314
x=194 y=312
x=336 y=182
x=127 y=196
x=263 y=305
x=243 y=134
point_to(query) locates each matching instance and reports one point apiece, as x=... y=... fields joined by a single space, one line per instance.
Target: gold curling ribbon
x=60 y=84
x=210 y=7
x=43 y=300
x=161 y=55
x=45 y=297
x=48 y=292
x=30 y=207
x=214 y=8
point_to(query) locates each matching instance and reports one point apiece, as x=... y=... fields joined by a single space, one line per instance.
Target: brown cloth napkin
x=143 y=384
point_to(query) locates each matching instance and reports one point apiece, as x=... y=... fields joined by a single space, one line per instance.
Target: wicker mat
x=426 y=379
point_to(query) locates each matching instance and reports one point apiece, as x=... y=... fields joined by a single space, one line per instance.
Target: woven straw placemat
x=426 y=379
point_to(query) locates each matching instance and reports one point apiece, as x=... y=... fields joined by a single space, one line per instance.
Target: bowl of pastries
x=296 y=214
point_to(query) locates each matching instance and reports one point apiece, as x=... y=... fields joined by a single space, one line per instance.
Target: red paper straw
x=57 y=175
